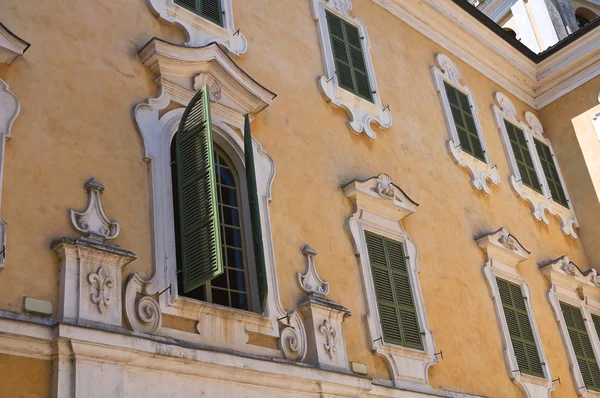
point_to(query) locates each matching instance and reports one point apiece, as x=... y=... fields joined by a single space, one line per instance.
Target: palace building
x=300 y=198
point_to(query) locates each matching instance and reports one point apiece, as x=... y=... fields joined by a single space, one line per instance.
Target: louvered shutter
x=547 y=160
x=209 y=9
x=199 y=226
x=464 y=122
x=349 y=58
x=596 y=320
x=580 y=340
x=523 y=157
x=393 y=290
x=519 y=328
x=257 y=241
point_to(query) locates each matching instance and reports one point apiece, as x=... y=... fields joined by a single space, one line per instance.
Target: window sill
x=540 y=204
x=534 y=386
x=361 y=111
x=480 y=171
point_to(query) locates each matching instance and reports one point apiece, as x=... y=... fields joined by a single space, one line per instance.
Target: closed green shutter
x=523 y=157
x=209 y=9
x=257 y=241
x=519 y=327
x=350 y=65
x=551 y=172
x=197 y=194
x=596 y=320
x=464 y=122
x=588 y=365
x=394 y=293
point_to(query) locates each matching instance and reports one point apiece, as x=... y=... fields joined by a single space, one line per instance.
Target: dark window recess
x=552 y=178
x=584 y=353
x=464 y=120
x=209 y=9
x=523 y=157
x=391 y=280
x=350 y=65
x=519 y=328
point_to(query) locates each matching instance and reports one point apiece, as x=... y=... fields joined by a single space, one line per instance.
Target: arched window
x=584 y=16
x=233 y=288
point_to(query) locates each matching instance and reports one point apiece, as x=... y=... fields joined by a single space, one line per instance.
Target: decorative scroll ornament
x=143 y=313
x=292 y=339
x=93 y=221
x=535 y=124
x=506 y=105
x=508 y=241
x=310 y=282
x=568 y=266
x=341 y=6
x=594 y=277
x=101 y=286
x=330 y=334
x=204 y=79
x=449 y=69
x=385 y=187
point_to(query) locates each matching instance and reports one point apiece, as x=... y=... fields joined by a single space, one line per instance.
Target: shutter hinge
x=237 y=32
x=494 y=167
x=168 y=288
x=441 y=354
x=374 y=92
x=332 y=77
x=387 y=107
x=379 y=339
x=557 y=380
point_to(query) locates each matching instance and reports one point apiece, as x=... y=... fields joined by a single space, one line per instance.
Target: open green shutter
x=523 y=157
x=393 y=291
x=580 y=340
x=464 y=122
x=259 y=253
x=349 y=58
x=552 y=178
x=519 y=328
x=199 y=226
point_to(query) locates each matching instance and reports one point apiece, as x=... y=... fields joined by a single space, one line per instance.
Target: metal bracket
x=441 y=354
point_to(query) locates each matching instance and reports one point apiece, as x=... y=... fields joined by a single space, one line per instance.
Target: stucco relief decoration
x=508 y=241
x=292 y=339
x=93 y=221
x=361 y=112
x=9 y=110
x=385 y=187
x=141 y=307
x=200 y=31
x=204 y=79
x=483 y=173
x=330 y=335
x=507 y=106
x=310 y=282
x=568 y=267
x=101 y=285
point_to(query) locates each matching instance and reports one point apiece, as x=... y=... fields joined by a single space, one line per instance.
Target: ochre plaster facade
x=81 y=79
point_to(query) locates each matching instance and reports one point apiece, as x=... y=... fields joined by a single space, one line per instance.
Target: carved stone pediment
x=382 y=193
x=503 y=246
x=563 y=272
x=180 y=70
x=12 y=47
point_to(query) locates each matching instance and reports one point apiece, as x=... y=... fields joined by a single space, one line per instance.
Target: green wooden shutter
x=209 y=9
x=395 y=302
x=464 y=122
x=596 y=320
x=523 y=157
x=552 y=178
x=350 y=65
x=197 y=194
x=588 y=365
x=257 y=241
x=519 y=327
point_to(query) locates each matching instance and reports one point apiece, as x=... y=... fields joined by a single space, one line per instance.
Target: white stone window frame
x=360 y=111
x=503 y=254
x=232 y=93
x=379 y=207
x=596 y=122
x=446 y=71
x=582 y=290
x=503 y=110
x=199 y=30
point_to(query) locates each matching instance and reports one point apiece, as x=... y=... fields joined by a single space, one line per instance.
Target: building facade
x=171 y=168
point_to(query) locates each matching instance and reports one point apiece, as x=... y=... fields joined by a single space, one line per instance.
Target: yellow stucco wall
x=22 y=377
x=80 y=80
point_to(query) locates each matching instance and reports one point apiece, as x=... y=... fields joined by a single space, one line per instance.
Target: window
x=350 y=66
x=349 y=80
x=536 y=176
x=394 y=294
x=209 y=9
x=526 y=363
x=582 y=346
x=519 y=327
x=584 y=16
x=396 y=318
x=466 y=144
x=211 y=253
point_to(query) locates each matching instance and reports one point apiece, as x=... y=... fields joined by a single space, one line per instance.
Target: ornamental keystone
x=93 y=221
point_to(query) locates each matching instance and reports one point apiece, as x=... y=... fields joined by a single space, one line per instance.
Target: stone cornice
x=453 y=28
x=12 y=47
